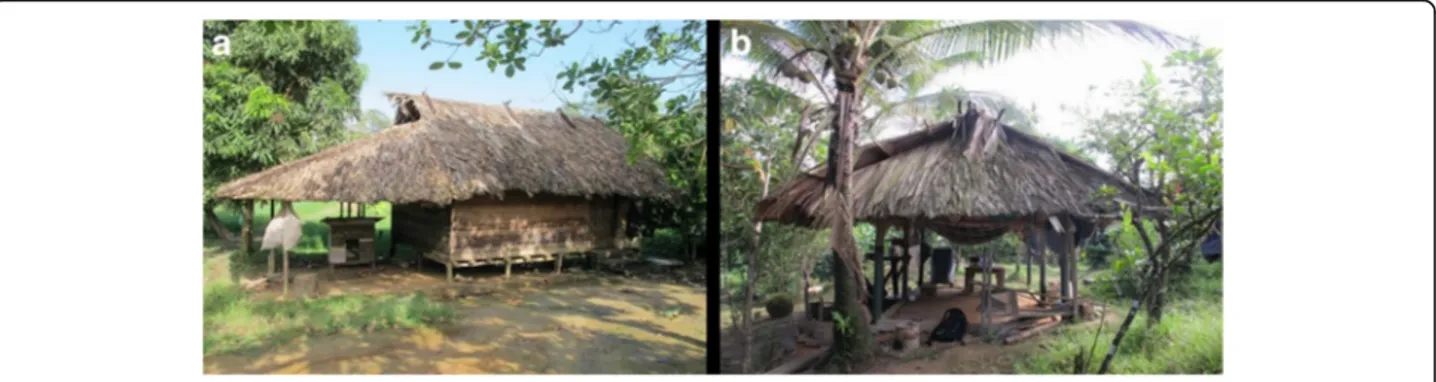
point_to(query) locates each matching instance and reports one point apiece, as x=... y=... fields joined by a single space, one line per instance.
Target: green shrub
x=779 y=305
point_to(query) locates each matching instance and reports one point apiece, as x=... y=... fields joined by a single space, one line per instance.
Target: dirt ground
x=536 y=322
x=975 y=358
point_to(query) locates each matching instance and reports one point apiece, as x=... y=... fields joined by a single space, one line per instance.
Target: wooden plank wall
x=423 y=227
x=487 y=230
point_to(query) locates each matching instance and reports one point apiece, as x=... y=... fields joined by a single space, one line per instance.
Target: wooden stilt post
x=879 y=239
x=449 y=270
x=285 y=276
x=508 y=266
x=558 y=265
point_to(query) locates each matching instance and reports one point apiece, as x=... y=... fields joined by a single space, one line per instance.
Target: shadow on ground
x=577 y=323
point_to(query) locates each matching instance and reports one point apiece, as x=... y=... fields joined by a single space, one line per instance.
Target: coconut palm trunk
x=851 y=347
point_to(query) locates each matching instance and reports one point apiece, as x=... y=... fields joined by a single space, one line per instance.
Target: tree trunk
x=854 y=347
x=755 y=246
x=1159 y=296
x=1121 y=331
x=217 y=225
x=246 y=233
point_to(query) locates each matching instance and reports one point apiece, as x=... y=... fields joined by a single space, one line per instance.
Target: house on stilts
x=474 y=185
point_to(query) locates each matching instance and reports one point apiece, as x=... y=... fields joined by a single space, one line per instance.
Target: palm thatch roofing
x=968 y=178
x=441 y=151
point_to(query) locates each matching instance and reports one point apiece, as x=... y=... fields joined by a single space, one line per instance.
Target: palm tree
x=869 y=59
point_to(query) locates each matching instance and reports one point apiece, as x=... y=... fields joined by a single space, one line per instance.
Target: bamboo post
x=879 y=238
x=558 y=266
x=508 y=266
x=449 y=270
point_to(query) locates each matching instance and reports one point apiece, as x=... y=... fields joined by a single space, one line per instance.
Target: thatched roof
x=972 y=168
x=440 y=151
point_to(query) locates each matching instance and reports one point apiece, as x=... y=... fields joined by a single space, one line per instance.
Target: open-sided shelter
x=473 y=184
x=971 y=179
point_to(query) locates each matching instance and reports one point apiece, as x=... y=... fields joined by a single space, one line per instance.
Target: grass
x=1188 y=340
x=233 y=322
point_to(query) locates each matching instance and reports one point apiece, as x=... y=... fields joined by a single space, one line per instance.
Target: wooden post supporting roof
x=879 y=256
x=924 y=253
x=1040 y=230
x=909 y=252
x=246 y=233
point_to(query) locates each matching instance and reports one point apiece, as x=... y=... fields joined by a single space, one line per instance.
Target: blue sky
x=396 y=64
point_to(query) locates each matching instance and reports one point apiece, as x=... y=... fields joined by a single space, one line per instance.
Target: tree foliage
x=1167 y=138
x=287 y=89
x=757 y=122
x=662 y=117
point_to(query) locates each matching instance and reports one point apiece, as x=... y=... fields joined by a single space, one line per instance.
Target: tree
x=286 y=90
x=662 y=117
x=864 y=59
x=1168 y=139
x=755 y=150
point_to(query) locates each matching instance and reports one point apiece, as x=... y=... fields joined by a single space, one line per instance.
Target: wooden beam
x=1030 y=332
